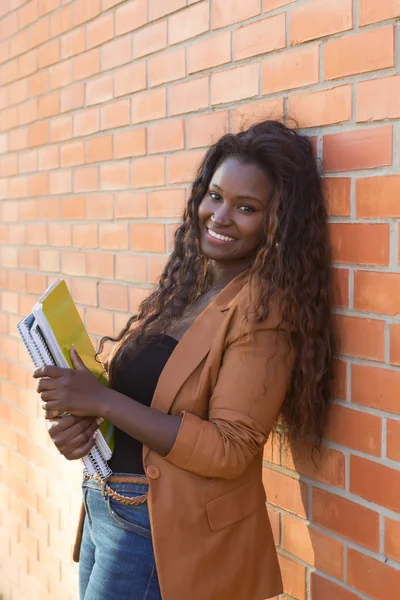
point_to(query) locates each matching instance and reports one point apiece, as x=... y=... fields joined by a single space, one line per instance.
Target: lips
x=218 y=236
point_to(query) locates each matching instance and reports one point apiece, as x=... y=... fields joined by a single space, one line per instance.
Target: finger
x=85 y=428
x=46 y=384
x=66 y=447
x=69 y=421
x=81 y=451
x=49 y=371
x=76 y=360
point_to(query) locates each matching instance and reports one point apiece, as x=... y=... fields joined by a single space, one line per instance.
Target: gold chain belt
x=138 y=479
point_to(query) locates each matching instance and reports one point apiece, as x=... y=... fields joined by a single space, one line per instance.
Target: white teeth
x=220 y=237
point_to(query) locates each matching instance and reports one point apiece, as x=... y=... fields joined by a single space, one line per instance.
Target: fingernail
x=95 y=434
x=99 y=420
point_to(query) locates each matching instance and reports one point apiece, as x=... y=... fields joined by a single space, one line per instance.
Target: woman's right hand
x=74 y=437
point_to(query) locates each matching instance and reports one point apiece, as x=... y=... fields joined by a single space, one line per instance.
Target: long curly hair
x=292 y=263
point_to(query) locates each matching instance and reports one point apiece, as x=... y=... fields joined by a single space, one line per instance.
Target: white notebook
x=43 y=348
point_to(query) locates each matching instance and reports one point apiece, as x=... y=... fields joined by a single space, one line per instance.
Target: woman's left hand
x=74 y=391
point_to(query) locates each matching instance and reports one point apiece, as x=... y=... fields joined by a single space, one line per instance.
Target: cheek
x=253 y=230
x=204 y=210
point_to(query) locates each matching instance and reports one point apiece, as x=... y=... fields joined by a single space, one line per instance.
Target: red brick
x=322 y=107
x=188 y=96
x=228 y=13
x=28 y=111
x=148 y=172
x=363 y=338
x=160 y=8
x=28 y=161
x=339 y=387
x=100 y=264
x=356 y=53
x=130 y=16
x=360 y=243
x=157 y=265
x=378 y=99
x=85 y=235
x=99 y=322
x=313 y=547
x=116 y=52
x=372 y=12
x=87 y=122
x=235 y=84
x=99 y=90
x=130 y=79
x=100 y=207
x=113 y=236
x=28 y=14
x=73 y=97
x=131 y=268
x=346 y=518
x=210 y=52
x=328 y=466
x=377 y=292
x=61 y=75
x=73 y=42
x=85 y=11
x=165 y=137
x=395 y=344
x=38 y=134
x=167 y=203
x=62 y=21
x=378 y=196
x=189 y=23
x=19 y=91
x=49 y=54
x=150 y=39
x=131 y=205
x=130 y=143
x=83 y=292
x=204 y=130
x=290 y=70
x=101 y=30
x=393 y=440
x=73 y=208
x=114 y=176
x=147 y=237
x=72 y=154
x=392 y=539
x=285 y=492
x=86 y=179
x=355 y=429
x=375 y=482
x=324 y=589
x=39 y=185
x=8 y=165
x=246 y=115
x=148 y=106
x=294 y=577
x=318 y=18
x=49 y=260
x=182 y=167
x=375 y=387
x=167 y=66
x=39 y=33
x=60 y=234
x=61 y=129
x=99 y=149
x=114 y=115
x=260 y=37
x=86 y=65
x=337 y=194
x=359 y=149
x=136 y=297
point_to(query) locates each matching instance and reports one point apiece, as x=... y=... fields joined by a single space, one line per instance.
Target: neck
x=223 y=273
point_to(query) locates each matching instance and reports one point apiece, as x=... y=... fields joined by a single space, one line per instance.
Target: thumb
x=76 y=359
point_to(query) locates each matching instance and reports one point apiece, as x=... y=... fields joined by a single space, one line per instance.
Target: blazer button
x=153 y=472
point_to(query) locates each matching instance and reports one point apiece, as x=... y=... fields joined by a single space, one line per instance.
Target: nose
x=222 y=216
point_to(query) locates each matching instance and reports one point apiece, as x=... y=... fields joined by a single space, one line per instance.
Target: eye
x=214 y=196
x=246 y=208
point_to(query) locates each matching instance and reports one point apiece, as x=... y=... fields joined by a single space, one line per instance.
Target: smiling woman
x=235 y=338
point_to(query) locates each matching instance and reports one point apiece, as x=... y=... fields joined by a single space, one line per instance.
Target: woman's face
x=232 y=213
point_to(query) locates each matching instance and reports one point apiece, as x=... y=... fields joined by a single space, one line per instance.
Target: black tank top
x=137 y=378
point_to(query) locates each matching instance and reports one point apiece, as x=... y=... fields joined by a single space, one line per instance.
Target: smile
x=217 y=236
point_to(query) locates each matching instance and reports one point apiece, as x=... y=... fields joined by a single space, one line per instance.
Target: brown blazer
x=211 y=534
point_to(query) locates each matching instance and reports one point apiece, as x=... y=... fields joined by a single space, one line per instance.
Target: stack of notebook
x=48 y=334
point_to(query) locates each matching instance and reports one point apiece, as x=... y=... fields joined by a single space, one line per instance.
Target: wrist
x=105 y=403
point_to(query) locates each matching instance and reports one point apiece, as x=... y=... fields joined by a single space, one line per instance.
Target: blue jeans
x=116 y=558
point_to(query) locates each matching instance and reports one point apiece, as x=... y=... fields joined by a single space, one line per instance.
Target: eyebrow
x=239 y=197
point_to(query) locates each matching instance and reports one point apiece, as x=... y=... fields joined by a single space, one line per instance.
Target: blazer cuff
x=185 y=443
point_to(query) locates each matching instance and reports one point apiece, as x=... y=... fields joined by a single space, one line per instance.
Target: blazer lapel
x=194 y=346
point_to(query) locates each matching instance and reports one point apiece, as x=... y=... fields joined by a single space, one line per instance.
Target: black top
x=137 y=378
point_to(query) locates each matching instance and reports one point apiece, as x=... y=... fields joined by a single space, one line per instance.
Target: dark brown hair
x=292 y=263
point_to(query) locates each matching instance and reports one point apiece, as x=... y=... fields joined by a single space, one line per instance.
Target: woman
x=236 y=333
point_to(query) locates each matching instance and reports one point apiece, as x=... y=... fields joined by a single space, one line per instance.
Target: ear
x=76 y=359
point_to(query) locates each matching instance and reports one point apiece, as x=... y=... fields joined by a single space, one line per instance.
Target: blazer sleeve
x=251 y=386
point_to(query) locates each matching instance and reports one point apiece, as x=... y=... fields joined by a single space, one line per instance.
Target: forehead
x=242 y=179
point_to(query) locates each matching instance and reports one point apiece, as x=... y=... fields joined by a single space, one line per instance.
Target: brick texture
x=106 y=109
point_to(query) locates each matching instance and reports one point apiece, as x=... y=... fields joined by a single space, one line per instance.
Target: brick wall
x=106 y=106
